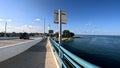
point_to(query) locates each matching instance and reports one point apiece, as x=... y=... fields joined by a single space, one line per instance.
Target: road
x=35 y=57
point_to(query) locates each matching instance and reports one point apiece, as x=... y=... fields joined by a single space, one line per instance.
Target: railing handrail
x=75 y=60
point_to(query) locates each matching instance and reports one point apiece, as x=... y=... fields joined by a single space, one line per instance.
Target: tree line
x=14 y=34
x=65 y=34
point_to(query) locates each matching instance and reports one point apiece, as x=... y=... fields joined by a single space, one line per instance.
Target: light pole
x=5 y=29
x=5 y=20
x=44 y=26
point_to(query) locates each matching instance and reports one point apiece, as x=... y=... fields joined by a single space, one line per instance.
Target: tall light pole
x=44 y=26
x=5 y=29
x=5 y=20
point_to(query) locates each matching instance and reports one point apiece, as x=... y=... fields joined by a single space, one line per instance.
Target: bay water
x=101 y=50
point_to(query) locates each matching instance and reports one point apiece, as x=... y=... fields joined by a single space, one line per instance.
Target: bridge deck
x=11 y=42
x=38 y=56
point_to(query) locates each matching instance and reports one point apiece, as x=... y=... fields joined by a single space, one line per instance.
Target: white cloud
x=9 y=20
x=37 y=19
x=4 y=20
x=80 y=31
x=24 y=28
x=1 y=20
x=90 y=25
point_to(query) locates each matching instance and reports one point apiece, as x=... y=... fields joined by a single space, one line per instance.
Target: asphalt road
x=32 y=58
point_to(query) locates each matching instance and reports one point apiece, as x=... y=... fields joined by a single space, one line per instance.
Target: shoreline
x=65 y=39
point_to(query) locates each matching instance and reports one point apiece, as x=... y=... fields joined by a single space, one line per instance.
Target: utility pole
x=44 y=26
x=6 y=21
x=5 y=29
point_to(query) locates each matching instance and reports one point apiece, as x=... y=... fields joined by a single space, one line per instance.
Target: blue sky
x=94 y=17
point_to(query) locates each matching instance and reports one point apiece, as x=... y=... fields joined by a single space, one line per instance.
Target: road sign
x=51 y=31
x=63 y=17
x=60 y=17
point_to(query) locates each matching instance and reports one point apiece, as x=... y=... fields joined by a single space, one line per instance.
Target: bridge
x=46 y=54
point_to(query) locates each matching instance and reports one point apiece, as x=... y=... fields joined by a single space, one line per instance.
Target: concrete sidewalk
x=38 y=56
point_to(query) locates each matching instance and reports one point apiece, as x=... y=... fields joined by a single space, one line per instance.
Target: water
x=103 y=51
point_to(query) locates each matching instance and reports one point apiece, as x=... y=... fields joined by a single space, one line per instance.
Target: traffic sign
x=51 y=31
x=63 y=17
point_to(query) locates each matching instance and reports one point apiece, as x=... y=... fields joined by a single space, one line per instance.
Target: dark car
x=24 y=36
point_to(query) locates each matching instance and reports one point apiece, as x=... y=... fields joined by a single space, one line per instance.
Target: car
x=24 y=36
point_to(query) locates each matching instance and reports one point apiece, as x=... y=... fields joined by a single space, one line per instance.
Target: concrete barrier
x=7 y=52
x=8 y=38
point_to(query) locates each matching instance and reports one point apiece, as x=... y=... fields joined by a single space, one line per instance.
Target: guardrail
x=66 y=59
x=9 y=51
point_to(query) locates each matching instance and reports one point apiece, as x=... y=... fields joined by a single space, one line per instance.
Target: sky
x=87 y=17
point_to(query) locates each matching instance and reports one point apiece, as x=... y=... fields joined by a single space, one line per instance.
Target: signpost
x=60 y=17
x=51 y=31
x=63 y=17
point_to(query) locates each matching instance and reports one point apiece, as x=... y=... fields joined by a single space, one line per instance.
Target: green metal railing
x=66 y=59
